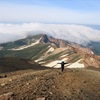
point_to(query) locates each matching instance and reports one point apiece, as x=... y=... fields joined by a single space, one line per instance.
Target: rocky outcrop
x=57 y=42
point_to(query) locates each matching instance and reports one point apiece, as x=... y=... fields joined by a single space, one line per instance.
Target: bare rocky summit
x=51 y=84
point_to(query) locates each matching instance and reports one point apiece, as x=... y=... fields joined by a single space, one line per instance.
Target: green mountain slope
x=49 y=51
x=27 y=53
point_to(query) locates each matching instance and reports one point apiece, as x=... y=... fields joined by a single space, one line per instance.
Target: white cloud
x=74 y=33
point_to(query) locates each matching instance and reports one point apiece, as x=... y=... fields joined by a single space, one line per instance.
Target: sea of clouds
x=70 y=32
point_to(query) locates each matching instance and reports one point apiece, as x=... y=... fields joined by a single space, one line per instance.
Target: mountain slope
x=34 y=45
x=95 y=47
x=49 y=51
x=72 y=84
x=13 y=64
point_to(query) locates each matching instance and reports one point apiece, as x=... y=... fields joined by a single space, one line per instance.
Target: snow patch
x=76 y=65
x=38 y=60
x=64 y=55
x=54 y=63
x=26 y=46
x=41 y=62
x=92 y=52
x=51 y=49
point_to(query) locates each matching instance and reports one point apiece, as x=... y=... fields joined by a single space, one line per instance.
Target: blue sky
x=52 y=11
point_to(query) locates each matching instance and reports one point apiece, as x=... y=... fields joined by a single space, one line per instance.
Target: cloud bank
x=73 y=33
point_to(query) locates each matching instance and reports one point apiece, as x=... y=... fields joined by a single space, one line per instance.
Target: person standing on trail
x=62 y=65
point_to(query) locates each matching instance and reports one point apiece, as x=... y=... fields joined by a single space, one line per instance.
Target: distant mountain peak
x=48 y=51
x=45 y=38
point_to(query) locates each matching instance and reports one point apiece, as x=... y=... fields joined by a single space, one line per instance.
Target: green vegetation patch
x=74 y=57
x=27 y=53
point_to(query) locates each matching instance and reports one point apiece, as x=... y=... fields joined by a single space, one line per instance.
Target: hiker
x=62 y=65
